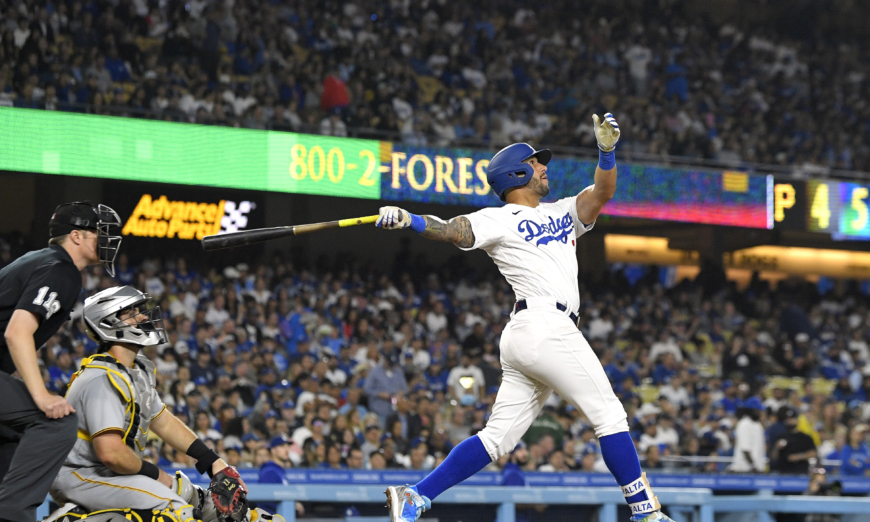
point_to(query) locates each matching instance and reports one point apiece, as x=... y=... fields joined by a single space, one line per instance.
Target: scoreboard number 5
x=821 y=209
x=860 y=208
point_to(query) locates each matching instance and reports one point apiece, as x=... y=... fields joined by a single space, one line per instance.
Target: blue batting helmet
x=506 y=169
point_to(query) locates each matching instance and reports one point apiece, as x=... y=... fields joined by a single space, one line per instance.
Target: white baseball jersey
x=534 y=248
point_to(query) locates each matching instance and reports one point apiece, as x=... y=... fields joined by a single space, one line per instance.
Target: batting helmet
x=506 y=168
x=105 y=321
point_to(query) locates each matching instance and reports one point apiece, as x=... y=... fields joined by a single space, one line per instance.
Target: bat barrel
x=245 y=237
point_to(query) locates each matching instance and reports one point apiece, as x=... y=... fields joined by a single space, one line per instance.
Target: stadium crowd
x=440 y=73
x=356 y=369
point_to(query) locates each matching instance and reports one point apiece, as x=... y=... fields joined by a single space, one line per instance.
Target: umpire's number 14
x=51 y=304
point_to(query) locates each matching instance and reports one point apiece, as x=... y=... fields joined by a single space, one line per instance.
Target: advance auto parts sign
x=164 y=218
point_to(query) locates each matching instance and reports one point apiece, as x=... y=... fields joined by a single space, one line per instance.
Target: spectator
x=466 y=381
x=750 y=451
x=383 y=385
x=855 y=455
x=792 y=451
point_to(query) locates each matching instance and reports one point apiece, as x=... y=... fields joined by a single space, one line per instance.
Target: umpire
x=37 y=294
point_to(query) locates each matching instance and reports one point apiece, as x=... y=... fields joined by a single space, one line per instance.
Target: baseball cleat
x=655 y=516
x=406 y=505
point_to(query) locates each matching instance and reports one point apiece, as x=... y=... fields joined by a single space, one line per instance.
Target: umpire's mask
x=99 y=218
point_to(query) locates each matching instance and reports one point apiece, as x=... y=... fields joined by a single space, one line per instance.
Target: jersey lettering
x=51 y=304
x=557 y=230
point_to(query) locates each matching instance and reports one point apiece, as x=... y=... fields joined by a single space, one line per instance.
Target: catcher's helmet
x=106 y=322
x=99 y=218
x=506 y=169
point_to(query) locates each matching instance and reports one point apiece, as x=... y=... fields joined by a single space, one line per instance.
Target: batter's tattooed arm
x=457 y=231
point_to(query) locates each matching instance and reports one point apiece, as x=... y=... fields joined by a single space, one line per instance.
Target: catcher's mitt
x=229 y=496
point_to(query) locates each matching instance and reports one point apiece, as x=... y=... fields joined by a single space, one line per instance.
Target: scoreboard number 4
x=51 y=304
x=820 y=210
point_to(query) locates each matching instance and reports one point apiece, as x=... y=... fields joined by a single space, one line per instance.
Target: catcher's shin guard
x=259 y=515
x=203 y=506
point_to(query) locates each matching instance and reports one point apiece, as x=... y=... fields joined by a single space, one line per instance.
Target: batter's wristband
x=149 y=470
x=418 y=223
x=606 y=160
x=204 y=456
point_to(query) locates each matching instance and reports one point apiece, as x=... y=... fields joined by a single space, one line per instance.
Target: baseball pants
x=32 y=450
x=95 y=489
x=543 y=351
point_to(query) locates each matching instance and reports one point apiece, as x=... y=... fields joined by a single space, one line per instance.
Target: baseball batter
x=117 y=403
x=534 y=246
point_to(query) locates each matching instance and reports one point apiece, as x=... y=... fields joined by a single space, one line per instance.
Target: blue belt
x=522 y=305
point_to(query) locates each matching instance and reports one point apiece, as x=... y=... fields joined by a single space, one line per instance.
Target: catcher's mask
x=121 y=315
x=87 y=216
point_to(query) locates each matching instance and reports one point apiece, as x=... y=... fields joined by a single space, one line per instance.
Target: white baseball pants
x=541 y=351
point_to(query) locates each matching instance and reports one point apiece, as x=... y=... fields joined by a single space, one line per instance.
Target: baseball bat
x=246 y=237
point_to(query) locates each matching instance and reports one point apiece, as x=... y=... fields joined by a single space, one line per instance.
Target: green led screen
x=140 y=150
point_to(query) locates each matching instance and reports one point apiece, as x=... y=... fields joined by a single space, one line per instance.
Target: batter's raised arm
x=457 y=230
x=591 y=201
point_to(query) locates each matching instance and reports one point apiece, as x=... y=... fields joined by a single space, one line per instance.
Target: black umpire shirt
x=45 y=282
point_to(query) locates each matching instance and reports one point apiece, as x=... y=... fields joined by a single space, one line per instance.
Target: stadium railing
x=683 y=504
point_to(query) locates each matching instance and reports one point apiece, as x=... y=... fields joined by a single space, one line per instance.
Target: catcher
x=117 y=403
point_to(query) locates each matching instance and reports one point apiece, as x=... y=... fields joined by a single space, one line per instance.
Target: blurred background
x=725 y=285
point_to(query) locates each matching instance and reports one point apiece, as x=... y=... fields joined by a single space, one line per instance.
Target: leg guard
x=203 y=506
x=259 y=515
x=183 y=514
x=649 y=503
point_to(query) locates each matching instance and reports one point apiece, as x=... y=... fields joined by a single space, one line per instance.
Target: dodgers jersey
x=101 y=394
x=534 y=248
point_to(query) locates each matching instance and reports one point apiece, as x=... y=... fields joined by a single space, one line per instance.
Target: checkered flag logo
x=235 y=216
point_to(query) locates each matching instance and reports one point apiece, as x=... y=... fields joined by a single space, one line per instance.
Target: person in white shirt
x=665 y=344
x=534 y=245
x=458 y=381
x=436 y=320
x=675 y=392
x=750 y=450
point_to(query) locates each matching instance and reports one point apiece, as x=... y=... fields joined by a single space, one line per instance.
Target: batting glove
x=606 y=132
x=393 y=218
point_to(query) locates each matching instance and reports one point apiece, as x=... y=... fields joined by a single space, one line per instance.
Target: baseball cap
x=247 y=437
x=237 y=449
x=288 y=405
x=279 y=440
x=70 y=216
x=271 y=414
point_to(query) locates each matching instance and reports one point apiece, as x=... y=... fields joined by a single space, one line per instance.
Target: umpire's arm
x=591 y=201
x=19 y=338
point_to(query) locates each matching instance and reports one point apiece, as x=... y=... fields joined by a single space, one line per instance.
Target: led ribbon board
x=458 y=176
x=152 y=151
x=51 y=142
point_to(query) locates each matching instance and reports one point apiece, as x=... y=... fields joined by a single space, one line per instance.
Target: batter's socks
x=464 y=460
x=621 y=459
